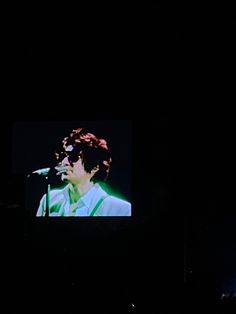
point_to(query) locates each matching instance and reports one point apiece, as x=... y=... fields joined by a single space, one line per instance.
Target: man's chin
x=64 y=177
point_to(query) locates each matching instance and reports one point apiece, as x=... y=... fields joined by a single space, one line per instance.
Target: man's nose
x=65 y=162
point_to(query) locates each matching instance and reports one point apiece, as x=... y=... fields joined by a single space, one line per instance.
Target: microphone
x=45 y=171
x=42 y=172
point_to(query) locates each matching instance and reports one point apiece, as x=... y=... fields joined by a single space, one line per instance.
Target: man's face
x=75 y=171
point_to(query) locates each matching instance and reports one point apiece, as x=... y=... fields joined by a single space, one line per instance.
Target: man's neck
x=77 y=191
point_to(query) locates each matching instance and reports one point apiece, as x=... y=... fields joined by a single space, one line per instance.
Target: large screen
x=75 y=168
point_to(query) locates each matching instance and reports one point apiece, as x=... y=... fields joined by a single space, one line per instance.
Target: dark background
x=156 y=59
x=115 y=261
x=208 y=187
x=116 y=69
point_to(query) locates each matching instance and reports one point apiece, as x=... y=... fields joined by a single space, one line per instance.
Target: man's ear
x=95 y=169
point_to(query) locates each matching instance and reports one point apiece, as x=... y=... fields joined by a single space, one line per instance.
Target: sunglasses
x=72 y=156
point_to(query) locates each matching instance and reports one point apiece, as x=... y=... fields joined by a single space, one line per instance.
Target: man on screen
x=85 y=161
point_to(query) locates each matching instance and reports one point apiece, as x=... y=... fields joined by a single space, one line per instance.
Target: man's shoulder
x=114 y=206
x=108 y=197
x=116 y=201
x=58 y=193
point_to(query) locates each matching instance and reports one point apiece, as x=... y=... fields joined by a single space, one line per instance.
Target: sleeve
x=113 y=206
x=42 y=207
x=125 y=209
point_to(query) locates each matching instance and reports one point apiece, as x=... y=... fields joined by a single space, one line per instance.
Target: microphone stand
x=46 y=209
x=46 y=173
x=60 y=169
x=47 y=199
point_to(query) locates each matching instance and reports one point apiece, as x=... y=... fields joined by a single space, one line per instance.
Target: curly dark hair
x=92 y=150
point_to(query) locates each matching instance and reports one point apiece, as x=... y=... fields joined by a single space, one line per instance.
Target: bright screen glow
x=75 y=169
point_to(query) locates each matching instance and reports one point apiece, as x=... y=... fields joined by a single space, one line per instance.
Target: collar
x=90 y=197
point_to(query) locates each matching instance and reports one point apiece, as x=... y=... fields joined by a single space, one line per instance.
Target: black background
x=96 y=73
x=208 y=187
x=127 y=73
x=116 y=260
x=88 y=265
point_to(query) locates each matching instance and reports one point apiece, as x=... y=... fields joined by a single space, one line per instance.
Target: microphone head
x=42 y=172
x=45 y=171
x=61 y=169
